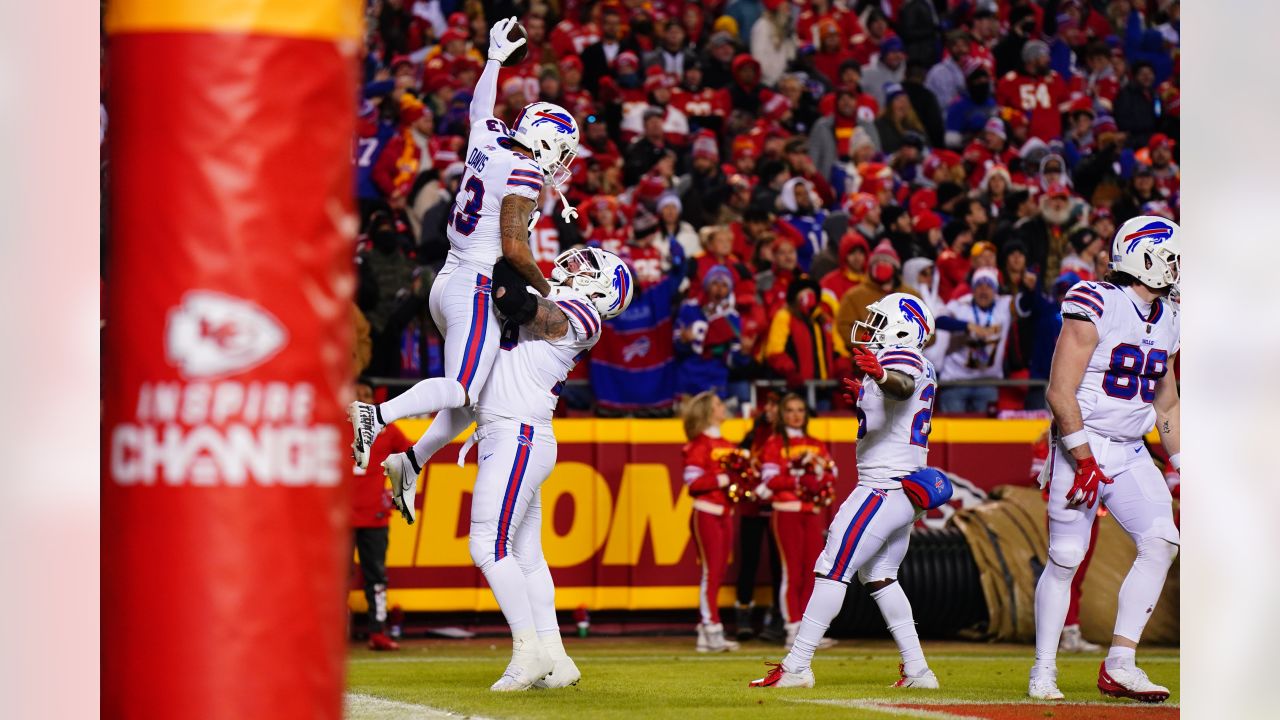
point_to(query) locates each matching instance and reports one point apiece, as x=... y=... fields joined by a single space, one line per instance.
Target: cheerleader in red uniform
x=709 y=483
x=797 y=470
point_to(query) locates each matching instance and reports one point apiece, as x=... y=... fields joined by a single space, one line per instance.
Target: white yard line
x=747 y=655
x=894 y=707
x=369 y=707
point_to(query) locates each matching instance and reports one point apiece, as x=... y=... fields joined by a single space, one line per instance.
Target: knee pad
x=1156 y=551
x=1066 y=551
x=874 y=574
x=530 y=562
x=481 y=550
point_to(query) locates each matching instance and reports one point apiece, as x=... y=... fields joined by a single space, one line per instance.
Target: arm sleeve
x=951 y=324
x=583 y=317
x=907 y=362
x=486 y=93
x=1085 y=299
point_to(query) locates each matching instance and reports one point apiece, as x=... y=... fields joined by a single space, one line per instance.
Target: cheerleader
x=797 y=470
x=710 y=485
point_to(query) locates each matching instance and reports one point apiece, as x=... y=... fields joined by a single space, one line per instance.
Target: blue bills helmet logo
x=1157 y=231
x=561 y=122
x=912 y=310
x=621 y=284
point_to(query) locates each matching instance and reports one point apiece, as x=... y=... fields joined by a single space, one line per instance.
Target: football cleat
x=1129 y=681
x=780 y=677
x=529 y=664
x=1044 y=685
x=403 y=474
x=711 y=639
x=1073 y=642
x=562 y=675
x=380 y=641
x=925 y=680
x=365 y=427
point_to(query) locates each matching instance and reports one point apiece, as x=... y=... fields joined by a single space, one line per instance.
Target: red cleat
x=1130 y=682
x=380 y=641
x=779 y=677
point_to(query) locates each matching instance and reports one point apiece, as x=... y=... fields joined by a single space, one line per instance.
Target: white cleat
x=780 y=677
x=711 y=639
x=562 y=675
x=365 y=427
x=1073 y=642
x=529 y=664
x=403 y=474
x=925 y=680
x=1044 y=685
x=1129 y=681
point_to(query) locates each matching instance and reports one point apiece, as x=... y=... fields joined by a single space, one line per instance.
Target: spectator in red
x=832 y=52
x=371 y=513
x=953 y=261
x=784 y=269
x=407 y=154
x=795 y=468
x=831 y=137
x=572 y=35
x=604 y=224
x=1159 y=155
x=698 y=102
x=816 y=12
x=801 y=344
x=851 y=271
x=1085 y=246
x=675 y=125
x=745 y=92
x=884 y=277
x=864 y=216
x=1037 y=91
x=865 y=45
x=712 y=521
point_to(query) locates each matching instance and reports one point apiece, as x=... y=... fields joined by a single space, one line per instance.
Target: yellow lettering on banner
x=592 y=508
x=439 y=544
x=645 y=506
x=400 y=542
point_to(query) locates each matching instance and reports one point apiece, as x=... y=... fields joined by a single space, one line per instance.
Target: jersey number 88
x=1132 y=374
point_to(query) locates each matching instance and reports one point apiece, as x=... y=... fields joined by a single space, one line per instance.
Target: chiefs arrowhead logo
x=211 y=334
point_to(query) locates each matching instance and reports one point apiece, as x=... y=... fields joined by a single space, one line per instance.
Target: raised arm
x=539 y=315
x=500 y=48
x=1168 y=411
x=513 y=221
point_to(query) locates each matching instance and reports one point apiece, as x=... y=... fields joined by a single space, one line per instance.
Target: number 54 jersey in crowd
x=492 y=171
x=1135 y=343
x=893 y=435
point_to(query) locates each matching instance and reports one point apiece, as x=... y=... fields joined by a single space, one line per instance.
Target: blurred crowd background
x=769 y=168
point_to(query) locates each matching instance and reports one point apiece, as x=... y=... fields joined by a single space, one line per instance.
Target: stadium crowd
x=769 y=168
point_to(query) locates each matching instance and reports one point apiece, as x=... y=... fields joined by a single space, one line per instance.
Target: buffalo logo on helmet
x=621 y=284
x=560 y=121
x=1157 y=231
x=913 y=311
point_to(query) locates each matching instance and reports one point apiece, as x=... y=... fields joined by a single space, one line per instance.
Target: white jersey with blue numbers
x=527 y=377
x=1135 y=343
x=493 y=170
x=893 y=435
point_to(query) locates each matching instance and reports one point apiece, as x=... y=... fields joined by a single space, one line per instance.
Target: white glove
x=533 y=220
x=500 y=46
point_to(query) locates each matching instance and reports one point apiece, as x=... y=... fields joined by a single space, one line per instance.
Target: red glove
x=1085 y=487
x=867 y=363
x=851 y=389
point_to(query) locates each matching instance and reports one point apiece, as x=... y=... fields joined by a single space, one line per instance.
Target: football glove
x=500 y=46
x=1084 y=489
x=868 y=363
x=851 y=390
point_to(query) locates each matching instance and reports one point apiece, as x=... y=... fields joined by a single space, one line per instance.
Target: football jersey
x=527 y=377
x=493 y=170
x=893 y=435
x=1133 y=353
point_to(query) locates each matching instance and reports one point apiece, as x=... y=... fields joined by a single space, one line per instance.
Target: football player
x=1109 y=383
x=870 y=532
x=494 y=209
x=517 y=448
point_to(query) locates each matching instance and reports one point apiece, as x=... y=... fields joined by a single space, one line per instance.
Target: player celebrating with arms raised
x=1108 y=384
x=870 y=532
x=494 y=209
x=517 y=447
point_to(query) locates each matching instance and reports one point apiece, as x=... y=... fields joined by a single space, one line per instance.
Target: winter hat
x=1034 y=49
x=981 y=247
x=911 y=270
x=892 y=44
x=705 y=146
x=857 y=205
x=851 y=241
x=925 y=221
x=718 y=272
x=892 y=90
x=995 y=126
x=986 y=275
x=884 y=252
x=670 y=199
x=1081 y=238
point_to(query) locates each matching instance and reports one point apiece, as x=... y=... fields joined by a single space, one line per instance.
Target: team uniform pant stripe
x=476 y=336
x=512 y=496
x=853 y=534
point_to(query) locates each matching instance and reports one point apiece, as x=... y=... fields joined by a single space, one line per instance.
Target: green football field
x=664 y=677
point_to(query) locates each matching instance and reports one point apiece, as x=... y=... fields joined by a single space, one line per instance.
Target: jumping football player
x=870 y=533
x=495 y=207
x=1109 y=383
x=517 y=448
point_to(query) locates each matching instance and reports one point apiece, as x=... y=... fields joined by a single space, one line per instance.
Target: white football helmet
x=600 y=275
x=896 y=320
x=551 y=134
x=1148 y=247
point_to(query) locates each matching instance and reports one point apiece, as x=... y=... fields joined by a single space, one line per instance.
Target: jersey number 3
x=1131 y=374
x=464 y=221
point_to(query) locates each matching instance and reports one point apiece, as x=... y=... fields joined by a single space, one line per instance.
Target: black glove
x=511 y=295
